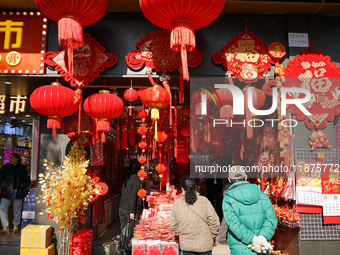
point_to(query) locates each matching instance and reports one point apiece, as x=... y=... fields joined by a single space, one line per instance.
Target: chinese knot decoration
x=88 y=62
x=55 y=101
x=316 y=73
x=71 y=17
x=182 y=17
x=154 y=51
x=319 y=139
x=245 y=56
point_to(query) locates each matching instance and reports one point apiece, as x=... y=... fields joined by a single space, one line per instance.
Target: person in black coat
x=128 y=200
x=14 y=179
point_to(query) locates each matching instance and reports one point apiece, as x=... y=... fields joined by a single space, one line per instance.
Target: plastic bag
x=127 y=234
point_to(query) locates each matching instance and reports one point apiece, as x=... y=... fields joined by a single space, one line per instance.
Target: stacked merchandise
x=28 y=212
x=36 y=239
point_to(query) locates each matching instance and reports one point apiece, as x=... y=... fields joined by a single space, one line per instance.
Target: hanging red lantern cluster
x=71 y=17
x=155 y=97
x=102 y=107
x=182 y=17
x=55 y=101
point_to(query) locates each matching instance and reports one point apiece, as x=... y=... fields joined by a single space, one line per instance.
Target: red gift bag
x=81 y=242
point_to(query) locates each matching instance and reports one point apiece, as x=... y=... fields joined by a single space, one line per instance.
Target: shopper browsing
x=14 y=179
x=249 y=215
x=194 y=220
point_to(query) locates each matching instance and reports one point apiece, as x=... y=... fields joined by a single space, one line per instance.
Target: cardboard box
x=36 y=236
x=50 y=250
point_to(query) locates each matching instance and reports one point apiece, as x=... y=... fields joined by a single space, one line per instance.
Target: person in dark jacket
x=249 y=215
x=14 y=179
x=128 y=200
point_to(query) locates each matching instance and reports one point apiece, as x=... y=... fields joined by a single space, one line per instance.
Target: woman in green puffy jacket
x=249 y=215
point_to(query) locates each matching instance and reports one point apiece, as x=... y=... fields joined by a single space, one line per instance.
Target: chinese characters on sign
x=298 y=39
x=22 y=42
x=13 y=104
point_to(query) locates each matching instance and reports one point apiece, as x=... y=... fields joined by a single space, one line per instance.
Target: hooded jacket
x=248 y=212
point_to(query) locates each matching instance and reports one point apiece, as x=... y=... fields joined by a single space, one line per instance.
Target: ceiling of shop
x=329 y=7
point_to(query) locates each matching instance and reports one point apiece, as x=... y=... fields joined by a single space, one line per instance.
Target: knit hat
x=237 y=172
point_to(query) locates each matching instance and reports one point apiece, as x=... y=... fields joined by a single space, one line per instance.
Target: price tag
x=298 y=39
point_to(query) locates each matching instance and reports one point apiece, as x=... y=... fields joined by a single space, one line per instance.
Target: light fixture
x=8 y=82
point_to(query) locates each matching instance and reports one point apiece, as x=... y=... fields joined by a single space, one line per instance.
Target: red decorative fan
x=88 y=62
x=245 y=56
x=315 y=72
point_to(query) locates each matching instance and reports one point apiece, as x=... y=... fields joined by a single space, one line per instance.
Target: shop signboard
x=22 y=42
x=14 y=104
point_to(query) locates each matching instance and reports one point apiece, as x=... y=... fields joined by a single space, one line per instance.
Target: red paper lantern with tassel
x=130 y=95
x=182 y=17
x=71 y=17
x=155 y=97
x=103 y=106
x=54 y=101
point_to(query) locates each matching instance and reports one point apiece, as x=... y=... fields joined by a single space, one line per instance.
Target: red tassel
x=153 y=148
x=54 y=132
x=103 y=138
x=182 y=39
x=54 y=122
x=181 y=87
x=130 y=110
x=147 y=162
x=79 y=119
x=70 y=30
x=124 y=138
x=117 y=137
x=167 y=87
x=132 y=135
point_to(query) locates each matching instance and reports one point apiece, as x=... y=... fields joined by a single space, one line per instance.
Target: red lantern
x=182 y=17
x=130 y=95
x=155 y=97
x=142 y=130
x=142 y=114
x=71 y=17
x=141 y=193
x=103 y=106
x=142 y=160
x=54 y=101
x=142 y=174
x=160 y=168
x=185 y=110
x=161 y=137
